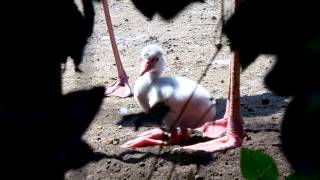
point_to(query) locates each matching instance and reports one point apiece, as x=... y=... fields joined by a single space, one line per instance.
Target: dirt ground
x=188 y=41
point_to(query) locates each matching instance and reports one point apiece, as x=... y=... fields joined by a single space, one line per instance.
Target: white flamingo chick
x=174 y=92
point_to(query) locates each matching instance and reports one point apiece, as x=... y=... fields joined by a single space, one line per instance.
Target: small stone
x=115 y=141
x=198 y=177
x=123 y=111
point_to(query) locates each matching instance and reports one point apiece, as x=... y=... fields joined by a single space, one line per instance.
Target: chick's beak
x=147 y=65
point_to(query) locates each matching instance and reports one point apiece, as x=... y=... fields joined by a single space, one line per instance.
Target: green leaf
x=256 y=165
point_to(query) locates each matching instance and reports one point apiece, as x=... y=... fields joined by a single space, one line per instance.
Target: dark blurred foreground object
x=154 y=117
x=287 y=29
x=42 y=141
x=166 y=8
x=290 y=31
x=41 y=128
x=300 y=134
x=80 y=29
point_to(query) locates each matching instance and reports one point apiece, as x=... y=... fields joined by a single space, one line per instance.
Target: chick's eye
x=155 y=59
